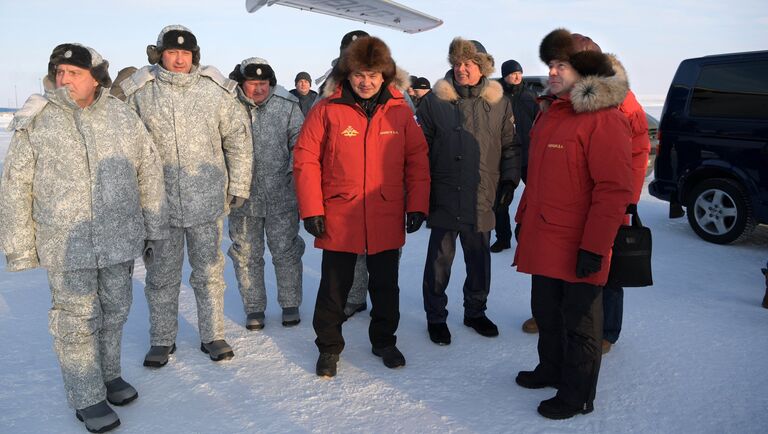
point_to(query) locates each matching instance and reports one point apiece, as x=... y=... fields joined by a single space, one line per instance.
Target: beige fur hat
x=461 y=50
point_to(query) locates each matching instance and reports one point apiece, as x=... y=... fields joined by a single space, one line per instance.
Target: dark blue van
x=712 y=156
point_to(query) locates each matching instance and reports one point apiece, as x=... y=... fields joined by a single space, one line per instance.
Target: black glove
x=315 y=225
x=587 y=263
x=413 y=221
x=506 y=193
x=517 y=232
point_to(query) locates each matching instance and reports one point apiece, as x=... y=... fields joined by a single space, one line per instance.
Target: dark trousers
x=338 y=271
x=613 y=312
x=570 y=320
x=437 y=272
x=503 y=223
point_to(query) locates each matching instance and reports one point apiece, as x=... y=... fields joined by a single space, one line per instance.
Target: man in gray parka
x=203 y=136
x=276 y=120
x=82 y=194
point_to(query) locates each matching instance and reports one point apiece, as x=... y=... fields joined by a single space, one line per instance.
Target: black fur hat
x=82 y=57
x=351 y=37
x=174 y=37
x=253 y=68
x=581 y=52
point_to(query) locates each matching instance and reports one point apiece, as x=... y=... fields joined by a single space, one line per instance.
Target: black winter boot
x=98 y=417
x=391 y=356
x=498 y=246
x=556 y=408
x=530 y=380
x=157 y=356
x=439 y=333
x=482 y=325
x=119 y=392
x=326 y=365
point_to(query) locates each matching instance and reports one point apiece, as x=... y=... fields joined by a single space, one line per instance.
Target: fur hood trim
x=401 y=82
x=596 y=92
x=492 y=92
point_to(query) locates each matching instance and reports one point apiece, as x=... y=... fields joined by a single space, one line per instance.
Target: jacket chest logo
x=389 y=133
x=555 y=146
x=350 y=132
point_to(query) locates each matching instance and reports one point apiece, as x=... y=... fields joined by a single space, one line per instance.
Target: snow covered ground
x=692 y=358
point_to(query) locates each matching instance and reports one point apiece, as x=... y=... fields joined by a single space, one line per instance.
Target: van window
x=734 y=90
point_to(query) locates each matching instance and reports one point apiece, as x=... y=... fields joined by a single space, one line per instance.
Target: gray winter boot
x=157 y=356
x=217 y=350
x=255 y=321
x=119 y=392
x=291 y=316
x=98 y=417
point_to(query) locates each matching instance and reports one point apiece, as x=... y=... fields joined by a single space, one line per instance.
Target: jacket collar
x=61 y=98
x=489 y=90
x=176 y=78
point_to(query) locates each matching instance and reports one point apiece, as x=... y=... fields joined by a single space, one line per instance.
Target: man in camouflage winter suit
x=82 y=194
x=203 y=136
x=276 y=119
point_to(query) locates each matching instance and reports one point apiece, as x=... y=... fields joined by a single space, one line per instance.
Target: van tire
x=719 y=211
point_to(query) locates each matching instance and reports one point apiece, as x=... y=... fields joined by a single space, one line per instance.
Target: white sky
x=650 y=37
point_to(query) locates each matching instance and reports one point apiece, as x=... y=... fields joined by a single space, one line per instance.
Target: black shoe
x=391 y=356
x=291 y=316
x=217 y=350
x=119 y=392
x=98 y=417
x=439 y=333
x=530 y=380
x=499 y=246
x=326 y=365
x=157 y=356
x=482 y=325
x=556 y=408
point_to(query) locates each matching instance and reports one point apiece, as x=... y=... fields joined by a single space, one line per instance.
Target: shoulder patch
x=21 y=119
x=218 y=78
x=137 y=80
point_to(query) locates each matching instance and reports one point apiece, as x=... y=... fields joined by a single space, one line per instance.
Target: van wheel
x=720 y=212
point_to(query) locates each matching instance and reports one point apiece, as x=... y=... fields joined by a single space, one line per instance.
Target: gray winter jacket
x=471 y=146
x=275 y=123
x=81 y=188
x=203 y=135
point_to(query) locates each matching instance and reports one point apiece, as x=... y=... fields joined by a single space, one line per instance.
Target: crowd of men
x=91 y=183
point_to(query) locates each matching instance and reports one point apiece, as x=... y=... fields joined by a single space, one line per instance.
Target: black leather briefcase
x=631 y=257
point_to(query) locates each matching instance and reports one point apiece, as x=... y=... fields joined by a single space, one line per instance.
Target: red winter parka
x=362 y=174
x=579 y=181
x=641 y=142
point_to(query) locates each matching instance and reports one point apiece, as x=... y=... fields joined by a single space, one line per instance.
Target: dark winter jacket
x=579 y=181
x=305 y=101
x=525 y=108
x=471 y=146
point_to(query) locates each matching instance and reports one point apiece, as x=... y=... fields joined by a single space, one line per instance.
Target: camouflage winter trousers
x=163 y=283
x=90 y=307
x=247 y=253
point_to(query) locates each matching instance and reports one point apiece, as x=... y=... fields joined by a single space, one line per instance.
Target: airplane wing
x=380 y=12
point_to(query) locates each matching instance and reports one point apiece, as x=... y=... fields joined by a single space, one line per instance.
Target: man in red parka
x=580 y=183
x=362 y=179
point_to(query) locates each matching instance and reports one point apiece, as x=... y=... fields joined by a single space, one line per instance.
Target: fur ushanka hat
x=462 y=50
x=367 y=53
x=82 y=57
x=174 y=37
x=581 y=52
x=253 y=68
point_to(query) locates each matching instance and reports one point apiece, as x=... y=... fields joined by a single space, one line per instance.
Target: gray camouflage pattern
x=272 y=209
x=359 y=292
x=202 y=134
x=81 y=188
x=275 y=123
x=247 y=253
x=163 y=283
x=86 y=321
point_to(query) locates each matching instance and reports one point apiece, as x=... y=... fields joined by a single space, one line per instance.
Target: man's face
x=411 y=91
x=420 y=92
x=366 y=83
x=303 y=86
x=80 y=83
x=256 y=90
x=467 y=73
x=514 y=78
x=177 y=60
x=562 y=77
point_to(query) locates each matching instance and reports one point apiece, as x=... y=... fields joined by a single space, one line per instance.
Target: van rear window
x=734 y=90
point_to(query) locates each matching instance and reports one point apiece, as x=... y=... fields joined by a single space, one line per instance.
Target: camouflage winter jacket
x=276 y=123
x=202 y=134
x=81 y=188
